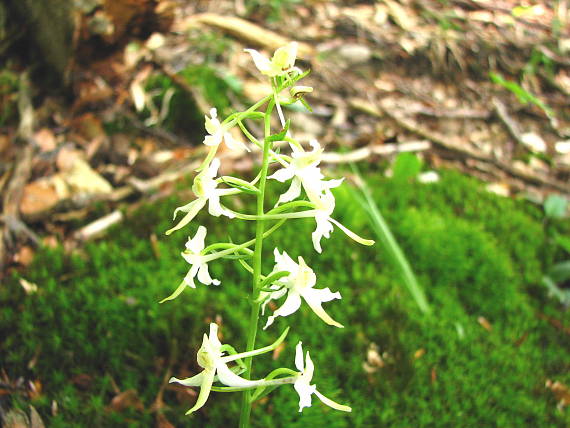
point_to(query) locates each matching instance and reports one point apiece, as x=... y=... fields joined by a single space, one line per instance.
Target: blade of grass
x=389 y=242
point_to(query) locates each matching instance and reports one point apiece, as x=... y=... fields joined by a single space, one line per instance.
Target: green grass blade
x=389 y=243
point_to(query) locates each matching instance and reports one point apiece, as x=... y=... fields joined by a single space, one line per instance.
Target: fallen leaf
x=419 y=353
x=484 y=323
x=45 y=139
x=277 y=351
x=29 y=287
x=561 y=393
x=39 y=197
x=374 y=360
x=24 y=256
x=124 y=400
x=162 y=422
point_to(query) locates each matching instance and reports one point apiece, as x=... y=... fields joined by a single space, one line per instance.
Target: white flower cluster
x=293 y=280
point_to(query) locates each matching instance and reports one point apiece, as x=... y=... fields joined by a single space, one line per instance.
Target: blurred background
x=450 y=120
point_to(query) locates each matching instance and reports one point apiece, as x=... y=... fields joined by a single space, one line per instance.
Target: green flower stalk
x=224 y=369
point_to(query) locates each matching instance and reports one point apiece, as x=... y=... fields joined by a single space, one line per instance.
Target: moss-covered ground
x=95 y=324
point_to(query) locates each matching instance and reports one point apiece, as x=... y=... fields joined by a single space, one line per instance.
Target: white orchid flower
x=304 y=171
x=205 y=188
x=303 y=383
x=325 y=222
x=199 y=264
x=211 y=358
x=283 y=60
x=298 y=285
x=219 y=133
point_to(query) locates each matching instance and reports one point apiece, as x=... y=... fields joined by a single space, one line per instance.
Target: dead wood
x=460 y=149
x=13 y=228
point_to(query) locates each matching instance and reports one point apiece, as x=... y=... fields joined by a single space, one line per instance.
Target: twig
x=384 y=150
x=378 y=110
x=506 y=120
x=13 y=226
x=99 y=226
x=249 y=32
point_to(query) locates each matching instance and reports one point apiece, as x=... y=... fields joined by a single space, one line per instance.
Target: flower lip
x=303 y=382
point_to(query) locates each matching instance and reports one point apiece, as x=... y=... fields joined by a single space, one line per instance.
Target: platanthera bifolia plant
x=225 y=369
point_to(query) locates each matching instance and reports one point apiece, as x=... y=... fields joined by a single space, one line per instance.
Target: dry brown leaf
x=374 y=360
x=277 y=351
x=24 y=256
x=484 y=323
x=561 y=393
x=419 y=353
x=433 y=375
x=124 y=400
x=162 y=422
x=45 y=139
x=39 y=197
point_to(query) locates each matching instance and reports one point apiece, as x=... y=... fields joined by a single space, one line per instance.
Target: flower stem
x=259 y=229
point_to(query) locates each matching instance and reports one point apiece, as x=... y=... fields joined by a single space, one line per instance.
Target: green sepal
x=306 y=104
x=281 y=135
x=238 y=183
x=273 y=277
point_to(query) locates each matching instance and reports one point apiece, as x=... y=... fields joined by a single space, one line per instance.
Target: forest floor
x=478 y=86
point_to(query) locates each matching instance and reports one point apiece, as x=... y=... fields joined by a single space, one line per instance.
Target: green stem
x=259 y=229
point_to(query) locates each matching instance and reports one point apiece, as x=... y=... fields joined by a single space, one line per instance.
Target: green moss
x=95 y=321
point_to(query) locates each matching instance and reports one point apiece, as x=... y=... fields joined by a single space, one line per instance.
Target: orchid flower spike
x=303 y=383
x=283 y=60
x=219 y=133
x=304 y=171
x=298 y=284
x=211 y=358
x=205 y=188
x=325 y=222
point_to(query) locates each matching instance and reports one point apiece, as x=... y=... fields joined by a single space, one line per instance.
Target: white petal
x=213 y=140
x=332 y=403
x=213 y=168
x=262 y=63
x=292 y=193
x=284 y=263
x=314 y=299
x=234 y=144
x=291 y=305
x=213 y=336
x=229 y=378
x=193 y=208
x=204 y=276
x=191 y=381
x=324 y=228
x=214 y=206
x=196 y=244
x=189 y=278
x=299 y=362
x=352 y=235
x=283 y=174
x=205 y=389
